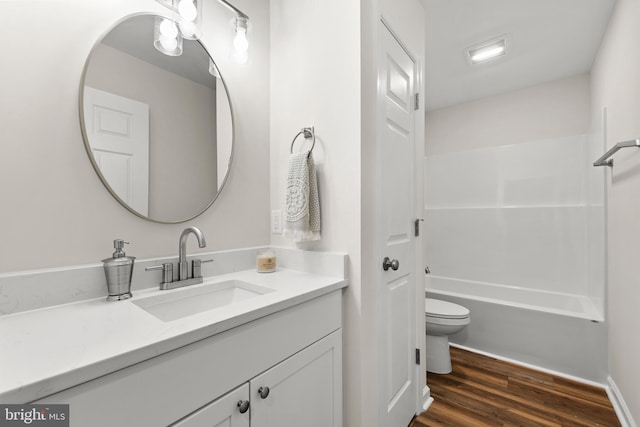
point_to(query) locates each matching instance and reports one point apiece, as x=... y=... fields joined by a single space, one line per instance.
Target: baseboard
x=619 y=405
x=530 y=366
x=427 y=400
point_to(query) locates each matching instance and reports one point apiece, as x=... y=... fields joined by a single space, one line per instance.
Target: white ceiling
x=546 y=40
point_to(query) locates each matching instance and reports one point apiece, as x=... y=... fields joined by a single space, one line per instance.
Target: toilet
x=443 y=318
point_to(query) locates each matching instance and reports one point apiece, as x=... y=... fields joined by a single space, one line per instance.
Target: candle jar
x=266 y=261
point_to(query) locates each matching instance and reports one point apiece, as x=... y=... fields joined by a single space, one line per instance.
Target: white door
x=231 y=410
x=118 y=132
x=398 y=384
x=304 y=390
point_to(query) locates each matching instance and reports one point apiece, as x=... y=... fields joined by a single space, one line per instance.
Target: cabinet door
x=222 y=412
x=304 y=390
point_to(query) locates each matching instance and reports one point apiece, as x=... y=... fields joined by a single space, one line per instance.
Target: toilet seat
x=438 y=309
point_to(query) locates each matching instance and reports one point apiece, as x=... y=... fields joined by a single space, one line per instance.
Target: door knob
x=386 y=263
x=263 y=392
x=243 y=406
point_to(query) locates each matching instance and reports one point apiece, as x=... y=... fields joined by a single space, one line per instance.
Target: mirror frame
x=87 y=144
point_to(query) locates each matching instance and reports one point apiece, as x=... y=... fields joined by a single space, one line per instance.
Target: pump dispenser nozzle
x=119 y=245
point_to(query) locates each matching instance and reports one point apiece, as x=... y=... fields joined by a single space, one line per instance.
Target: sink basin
x=184 y=302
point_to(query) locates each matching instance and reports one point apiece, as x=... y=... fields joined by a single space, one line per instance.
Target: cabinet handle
x=243 y=406
x=263 y=392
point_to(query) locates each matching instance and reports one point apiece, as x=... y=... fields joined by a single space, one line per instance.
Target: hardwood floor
x=482 y=391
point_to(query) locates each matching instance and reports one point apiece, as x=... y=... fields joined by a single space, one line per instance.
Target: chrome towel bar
x=602 y=161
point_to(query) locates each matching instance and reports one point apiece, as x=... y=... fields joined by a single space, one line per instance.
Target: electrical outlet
x=276 y=222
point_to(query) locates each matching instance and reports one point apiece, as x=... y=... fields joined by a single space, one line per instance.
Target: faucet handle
x=196 y=266
x=167 y=271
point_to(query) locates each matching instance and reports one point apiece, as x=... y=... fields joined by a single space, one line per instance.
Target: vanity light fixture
x=187 y=14
x=166 y=37
x=190 y=12
x=487 y=50
x=240 y=42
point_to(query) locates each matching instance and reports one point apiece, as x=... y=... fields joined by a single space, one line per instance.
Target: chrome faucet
x=183 y=278
x=183 y=267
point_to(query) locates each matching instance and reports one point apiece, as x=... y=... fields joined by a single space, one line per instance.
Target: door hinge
x=416 y=226
x=417 y=356
x=416 y=105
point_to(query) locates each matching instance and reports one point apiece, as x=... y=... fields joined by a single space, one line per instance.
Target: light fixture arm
x=234 y=9
x=241 y=14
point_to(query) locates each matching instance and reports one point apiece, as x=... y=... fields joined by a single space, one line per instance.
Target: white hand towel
x=302 y=205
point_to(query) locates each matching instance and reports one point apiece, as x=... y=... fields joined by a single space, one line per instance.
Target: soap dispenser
x=118 y=269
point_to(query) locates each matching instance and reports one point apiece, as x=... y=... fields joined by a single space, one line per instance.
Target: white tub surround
x=50 y=348
x=519 y=221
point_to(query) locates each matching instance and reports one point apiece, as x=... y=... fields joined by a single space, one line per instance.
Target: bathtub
x=558 y=332
x=563 y=304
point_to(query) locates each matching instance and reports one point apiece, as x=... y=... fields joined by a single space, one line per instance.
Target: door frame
x=422 y=392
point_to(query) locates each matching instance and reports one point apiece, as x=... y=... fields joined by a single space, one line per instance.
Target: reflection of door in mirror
x=119 y=131
x=183 y=176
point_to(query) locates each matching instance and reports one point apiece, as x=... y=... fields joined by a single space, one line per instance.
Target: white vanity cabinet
x=304 y=390
x=223 y=412
x=296 y=352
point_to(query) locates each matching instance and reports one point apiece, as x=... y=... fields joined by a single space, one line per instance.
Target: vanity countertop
x=50 y=349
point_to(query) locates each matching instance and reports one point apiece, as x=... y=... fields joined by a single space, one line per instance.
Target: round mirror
x=158 y=128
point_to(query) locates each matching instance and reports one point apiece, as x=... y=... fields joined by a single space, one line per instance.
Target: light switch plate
x=276 y=222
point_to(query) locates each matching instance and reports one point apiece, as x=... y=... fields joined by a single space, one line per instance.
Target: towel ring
x=308 y=133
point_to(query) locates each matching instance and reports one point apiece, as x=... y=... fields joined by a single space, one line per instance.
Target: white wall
x=616 y=86
x=55 y=211
x=550 y=110
x=315 y=81
x=324 y=73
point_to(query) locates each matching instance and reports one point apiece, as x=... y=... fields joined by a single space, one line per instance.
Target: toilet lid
x=444 y=309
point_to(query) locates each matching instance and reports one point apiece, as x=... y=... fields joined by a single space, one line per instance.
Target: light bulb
x=188 y=29
x=240 y=42
x=487 y=53
x=168 y=29
x=187 y=9
x=166 y=37
x=169 y=45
